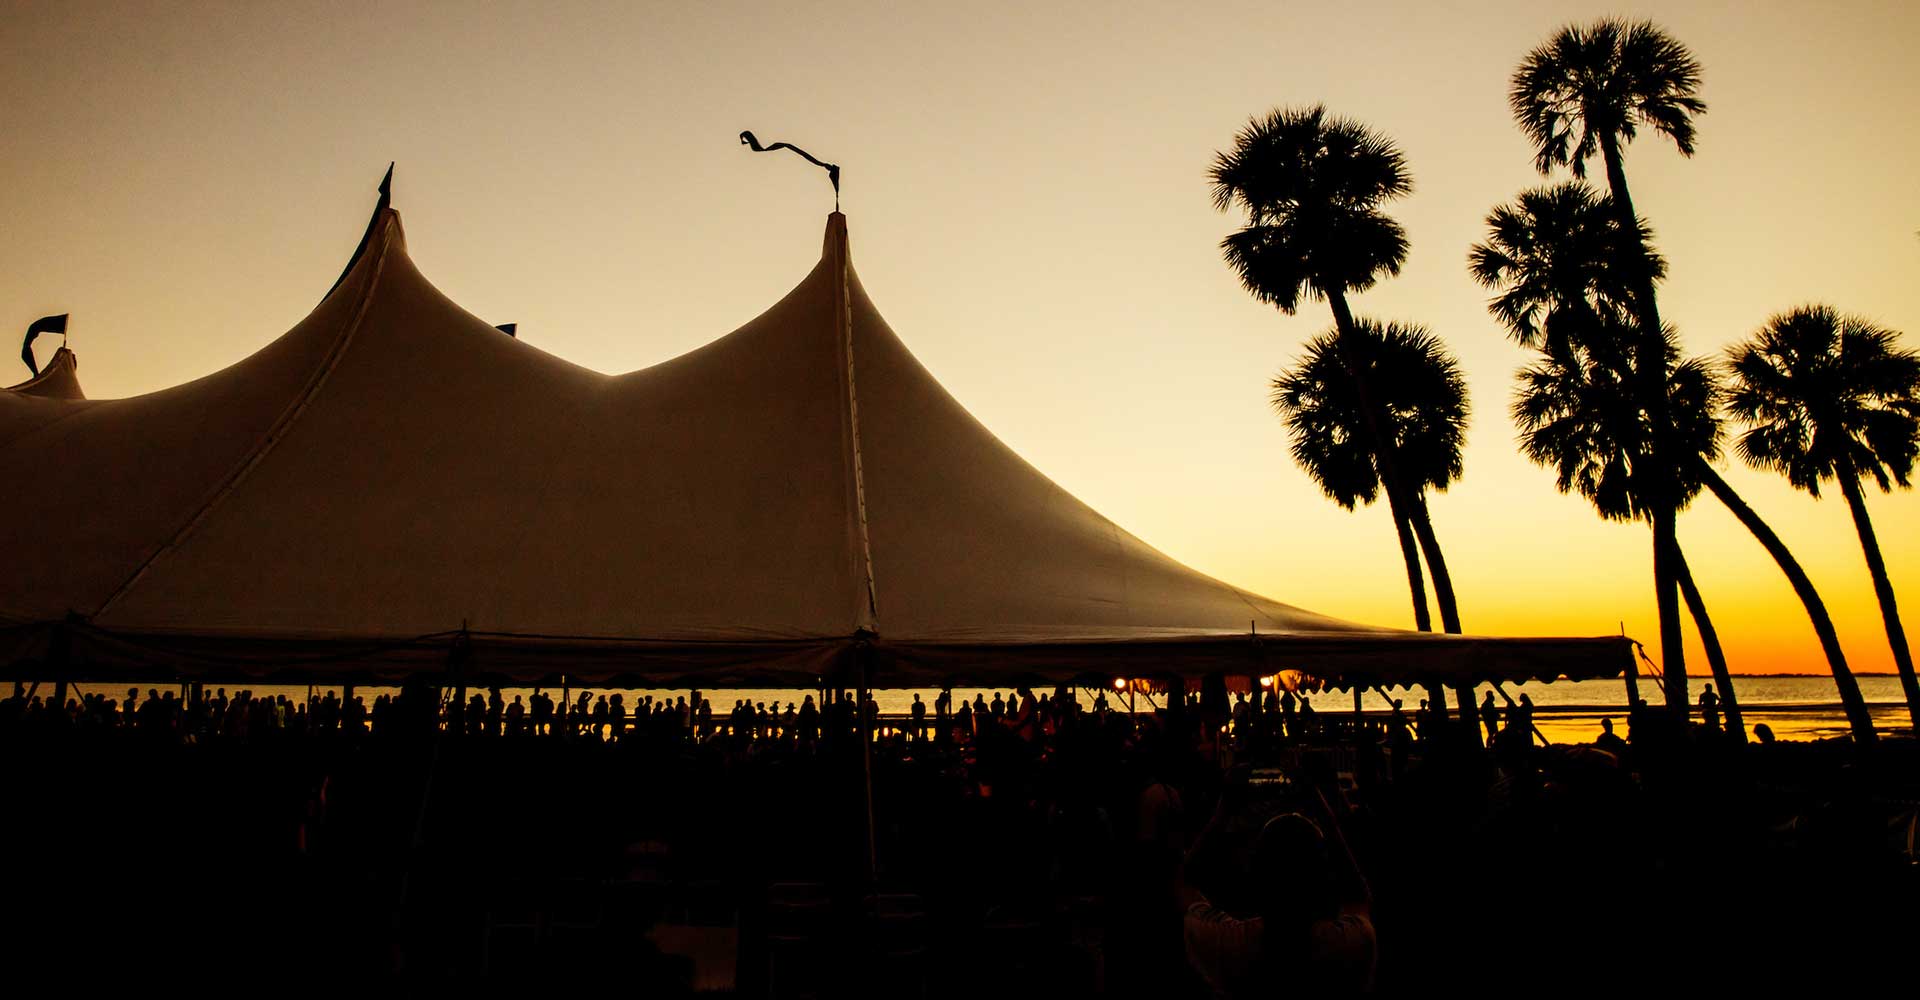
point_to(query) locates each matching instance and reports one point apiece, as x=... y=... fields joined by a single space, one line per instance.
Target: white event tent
x=394 y=479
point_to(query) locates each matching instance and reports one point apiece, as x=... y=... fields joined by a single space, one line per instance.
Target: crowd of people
x=196 y=713
x=1210 y=844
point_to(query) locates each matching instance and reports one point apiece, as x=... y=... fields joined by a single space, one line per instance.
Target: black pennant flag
x=45 y=324
x=379 y=209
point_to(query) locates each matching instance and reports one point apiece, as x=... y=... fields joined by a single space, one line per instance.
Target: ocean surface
x=1798 y=708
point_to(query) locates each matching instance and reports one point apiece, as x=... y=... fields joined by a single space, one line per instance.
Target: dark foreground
x=1034 y=858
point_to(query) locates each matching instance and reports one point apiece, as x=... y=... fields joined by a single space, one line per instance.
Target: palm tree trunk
x=1437 y=565
x=1416 y=583
x=1716 y=657
x=1882 y=587
x=1858 y=718
x=1651 y=377
x=1449 y=608
x=1673 y=664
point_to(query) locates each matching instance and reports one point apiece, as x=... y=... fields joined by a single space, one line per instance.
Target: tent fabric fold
x=797 y=500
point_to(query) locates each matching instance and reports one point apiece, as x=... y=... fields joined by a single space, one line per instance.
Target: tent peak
x=57 y=379
x=836 y=236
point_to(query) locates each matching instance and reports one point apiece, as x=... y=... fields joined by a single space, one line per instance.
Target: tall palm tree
x=1313 y=187
x=1590 y=89
x=1418 y=387
x=1553 y=256
x=1827 y=396
x=1421 y=397
x=1579 y=412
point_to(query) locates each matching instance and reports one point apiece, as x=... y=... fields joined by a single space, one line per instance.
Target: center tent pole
x=864 y=651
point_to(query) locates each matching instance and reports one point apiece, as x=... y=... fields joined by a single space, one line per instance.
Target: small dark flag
x=508 y=329
x=45 y=324
x=379 y=209
x=748 y=140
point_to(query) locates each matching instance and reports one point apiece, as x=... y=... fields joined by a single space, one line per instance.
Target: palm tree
x=1313 y=187
x=1579 y=412
x=1553 y=256
x=1587 y=90
x=1419 y=388
x=1827 y=396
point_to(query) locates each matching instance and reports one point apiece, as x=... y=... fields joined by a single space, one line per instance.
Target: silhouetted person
x=1608 y=741
x=809 y=721
x=1710 y=708
x=542 y=712
x=1025 y=720
x=919 y=714
x=1520 y=720
x=1399 y=741
x=1490 y=717
x=1763 y=732
x=1294 y=936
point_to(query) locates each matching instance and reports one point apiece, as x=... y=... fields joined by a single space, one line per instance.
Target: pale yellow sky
x=1026 y=193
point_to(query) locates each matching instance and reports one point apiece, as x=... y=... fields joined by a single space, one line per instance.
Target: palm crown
x=1562 y=264
x=1580 y=415
x=1410 y=376
x=1823 y=393
x=1589 y=84
x=1312 y=186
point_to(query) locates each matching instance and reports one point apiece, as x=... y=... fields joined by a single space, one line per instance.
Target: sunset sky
x=1026 y=193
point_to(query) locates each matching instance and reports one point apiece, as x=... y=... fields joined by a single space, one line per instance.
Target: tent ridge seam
x=843 y=309
x=275 y=433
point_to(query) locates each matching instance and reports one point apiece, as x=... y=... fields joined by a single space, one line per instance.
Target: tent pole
x=865 y=653
x=59 y=655
x=1632 y=675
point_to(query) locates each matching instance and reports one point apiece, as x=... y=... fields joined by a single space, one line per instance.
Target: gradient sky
x=1028 y=206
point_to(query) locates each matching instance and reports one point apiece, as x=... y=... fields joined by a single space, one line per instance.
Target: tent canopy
x=394 y=476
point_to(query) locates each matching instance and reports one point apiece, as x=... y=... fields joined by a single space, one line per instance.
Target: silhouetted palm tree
x=1313 y=186
x=1580 y=413
x=1588 y=90
x=1827 y=396
x=1552 y=255
x=1418 y=388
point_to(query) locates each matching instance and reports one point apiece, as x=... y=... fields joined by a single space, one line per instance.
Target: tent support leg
x=60 y=657
x=866 y=756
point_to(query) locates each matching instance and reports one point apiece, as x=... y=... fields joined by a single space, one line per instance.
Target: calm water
x=1568 y=711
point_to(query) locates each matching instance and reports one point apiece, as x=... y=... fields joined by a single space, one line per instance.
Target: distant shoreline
x=1856 y=673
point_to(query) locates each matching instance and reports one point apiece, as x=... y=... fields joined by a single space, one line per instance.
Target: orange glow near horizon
x=1027 y=203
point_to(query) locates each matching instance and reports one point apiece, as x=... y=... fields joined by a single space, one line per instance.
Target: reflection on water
x=1797 y=708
